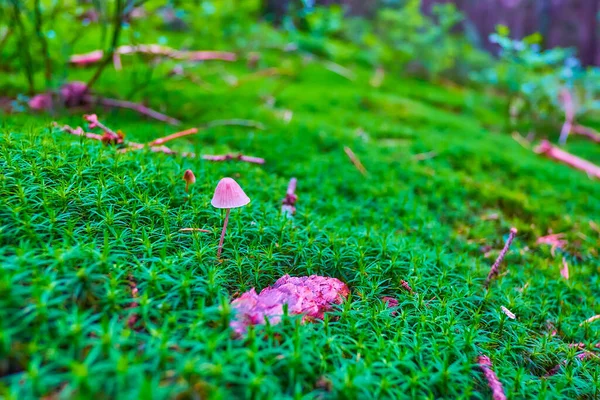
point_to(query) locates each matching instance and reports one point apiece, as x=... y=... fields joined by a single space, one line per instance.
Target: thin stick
x=354 y=159
x=557 y=154
x=132 y=106
x=194 y=230
x=496 y=265
x=589 y=133
x=567 y=100
x=193 y=131
x=77 y=131
x=288 y=204
x=93 y=121
x=115 y=40
x=590 y=320
x=239 y=157
x=223 y=233
x=172 y=136
x=153 y=49
x=43 y=42
x=494 y=383
x=24 y=47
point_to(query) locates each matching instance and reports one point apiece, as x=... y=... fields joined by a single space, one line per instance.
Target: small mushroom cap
x=189 y=176
x=228 y=194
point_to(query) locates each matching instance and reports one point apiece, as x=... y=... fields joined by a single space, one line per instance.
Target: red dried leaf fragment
x=310 y=296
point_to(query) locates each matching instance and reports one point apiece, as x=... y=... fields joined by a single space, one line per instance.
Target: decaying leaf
x=310 y=296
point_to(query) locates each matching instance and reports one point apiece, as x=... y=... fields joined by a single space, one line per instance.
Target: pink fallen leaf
x=556 y=241
x=310 y=296
x=390 y=302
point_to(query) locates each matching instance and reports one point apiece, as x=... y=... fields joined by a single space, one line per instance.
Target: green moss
x=80 y=221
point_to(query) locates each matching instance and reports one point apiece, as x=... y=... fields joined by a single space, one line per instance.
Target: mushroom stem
x=187 y=185
x=223 y=232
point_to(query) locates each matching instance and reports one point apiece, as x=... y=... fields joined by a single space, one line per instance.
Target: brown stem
x=115 y=40
x=223 y=233
x=43 y=43
x=496 y=265
x=354 y=159
x=24 y=47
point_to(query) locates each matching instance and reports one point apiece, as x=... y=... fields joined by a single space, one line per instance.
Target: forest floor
x=81 y=224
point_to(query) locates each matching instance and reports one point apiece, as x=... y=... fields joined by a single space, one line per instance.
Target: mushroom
x=189 y=178
x=228 y=195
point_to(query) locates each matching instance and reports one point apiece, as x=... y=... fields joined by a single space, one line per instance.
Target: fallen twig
x=77 y=131
x=194 y=230
x=590 y=320
x=172 y=136
x=557 y=154
x=132 y=106
x=569 y=125
x=354 y=159
x=96 y=56
x=508 y=313
x=521 y=140
x=496 y=265
x=486 y=366
x=288 y=204
x=193 y=131
x=341 y=71
x=239 y=157
x=589 y=133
